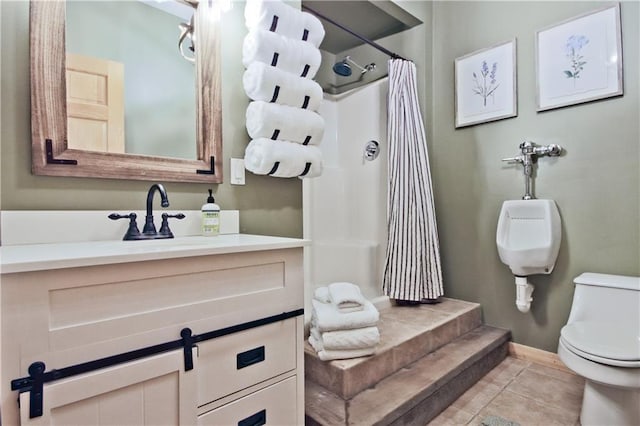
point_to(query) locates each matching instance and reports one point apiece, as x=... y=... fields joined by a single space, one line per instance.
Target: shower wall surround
x=345 y=208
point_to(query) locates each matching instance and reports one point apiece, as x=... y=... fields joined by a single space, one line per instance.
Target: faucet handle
x=133 y=233
x=164 y=228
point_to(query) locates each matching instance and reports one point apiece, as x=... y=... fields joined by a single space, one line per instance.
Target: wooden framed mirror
x=51 y=155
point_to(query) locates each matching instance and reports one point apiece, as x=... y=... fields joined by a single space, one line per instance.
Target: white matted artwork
x=485 y=85
x=579 y=60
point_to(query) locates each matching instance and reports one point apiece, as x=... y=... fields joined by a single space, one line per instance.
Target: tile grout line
x=502 y=389
x=539 y=401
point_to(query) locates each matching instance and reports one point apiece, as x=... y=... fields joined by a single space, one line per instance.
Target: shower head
x=343 y=68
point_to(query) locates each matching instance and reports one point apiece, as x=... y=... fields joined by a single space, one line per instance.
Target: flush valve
x=529 y=156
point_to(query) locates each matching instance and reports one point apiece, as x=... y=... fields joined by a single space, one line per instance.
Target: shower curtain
x=412 y=270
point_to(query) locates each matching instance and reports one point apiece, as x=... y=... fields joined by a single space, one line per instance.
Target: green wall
x=267 y=205
x=595 y=185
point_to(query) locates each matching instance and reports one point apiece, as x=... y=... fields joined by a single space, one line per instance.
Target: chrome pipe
x=529 y=156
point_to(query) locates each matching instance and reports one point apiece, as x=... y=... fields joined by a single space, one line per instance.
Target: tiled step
x=418 y=392
x=407 y=334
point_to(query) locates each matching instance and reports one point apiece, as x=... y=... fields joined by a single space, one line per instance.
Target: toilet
x=601 y=342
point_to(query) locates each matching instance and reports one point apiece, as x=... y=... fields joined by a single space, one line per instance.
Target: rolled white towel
x=284 y=122
x=322 y=294
x=326 y=317
x=276 y=16
x=358 y=338
x=282 y=159
x=262 y=82
x=314 y=28
x=295 y=56
x=346 y=296
x=331 y=354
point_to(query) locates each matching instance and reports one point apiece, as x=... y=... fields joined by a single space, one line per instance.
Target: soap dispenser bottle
x=210 y=217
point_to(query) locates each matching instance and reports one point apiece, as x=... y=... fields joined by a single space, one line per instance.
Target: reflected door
x=95 y=104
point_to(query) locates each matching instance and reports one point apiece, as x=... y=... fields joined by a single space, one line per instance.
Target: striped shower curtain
x=412 y=267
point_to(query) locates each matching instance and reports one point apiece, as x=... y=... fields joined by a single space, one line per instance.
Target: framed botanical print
x=579 y=60
x=485 y=85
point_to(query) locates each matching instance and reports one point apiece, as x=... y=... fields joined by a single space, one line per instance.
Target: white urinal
x=528 y=239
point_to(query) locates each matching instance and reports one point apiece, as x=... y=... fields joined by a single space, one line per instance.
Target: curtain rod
x=353 y=33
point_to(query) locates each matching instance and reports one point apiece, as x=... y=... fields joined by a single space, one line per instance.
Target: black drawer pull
x=257 y=419
x=250 y=357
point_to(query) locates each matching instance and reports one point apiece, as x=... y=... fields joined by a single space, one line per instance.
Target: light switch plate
x=237 y=171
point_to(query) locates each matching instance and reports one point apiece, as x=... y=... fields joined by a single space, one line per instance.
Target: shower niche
x=347 y=61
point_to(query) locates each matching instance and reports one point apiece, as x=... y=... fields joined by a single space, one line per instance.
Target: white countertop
x=39 y=257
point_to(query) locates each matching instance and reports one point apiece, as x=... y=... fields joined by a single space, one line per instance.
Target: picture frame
x=485 y=85
x=579 y=60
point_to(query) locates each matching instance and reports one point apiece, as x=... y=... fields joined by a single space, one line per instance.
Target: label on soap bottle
x=210 y=222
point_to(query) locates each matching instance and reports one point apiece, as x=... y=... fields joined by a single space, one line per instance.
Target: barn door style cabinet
x=175 y=333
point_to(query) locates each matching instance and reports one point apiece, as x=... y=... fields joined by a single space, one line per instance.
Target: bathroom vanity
x=215 y=326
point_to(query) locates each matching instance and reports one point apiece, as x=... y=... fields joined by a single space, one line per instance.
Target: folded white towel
x=358 y=338
x=274 y=121
x=276 y=16
x=295 y=56
x=322 y=294
x=326 y=317
x=346 y=296
x=282 y=159
x=331 y=354
x=262 y=82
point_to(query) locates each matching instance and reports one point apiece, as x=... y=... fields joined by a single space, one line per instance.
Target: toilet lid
x=607 y=343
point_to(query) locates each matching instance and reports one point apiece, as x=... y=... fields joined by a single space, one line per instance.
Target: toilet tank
x=608 y=298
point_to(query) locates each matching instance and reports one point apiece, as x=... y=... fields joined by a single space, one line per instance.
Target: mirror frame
x=50 y=154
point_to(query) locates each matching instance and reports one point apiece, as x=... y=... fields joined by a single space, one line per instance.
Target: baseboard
x=538 y=356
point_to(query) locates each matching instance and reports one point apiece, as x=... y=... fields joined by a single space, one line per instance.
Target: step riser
x=417 y=393
x=347 y=383
x=430 y=407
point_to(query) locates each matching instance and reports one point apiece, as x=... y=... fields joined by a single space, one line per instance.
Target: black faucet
x=149 y=231
x=149 y=227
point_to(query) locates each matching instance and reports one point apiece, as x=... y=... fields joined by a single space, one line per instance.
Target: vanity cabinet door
x=151 y=391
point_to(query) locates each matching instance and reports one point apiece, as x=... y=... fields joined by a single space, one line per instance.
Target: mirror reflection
x=53 y=154
x=128 y=88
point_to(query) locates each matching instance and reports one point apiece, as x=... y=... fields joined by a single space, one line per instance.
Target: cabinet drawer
x=273 y=405
x=237 y=361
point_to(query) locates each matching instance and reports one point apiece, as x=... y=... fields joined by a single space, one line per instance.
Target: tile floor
x=521 y=392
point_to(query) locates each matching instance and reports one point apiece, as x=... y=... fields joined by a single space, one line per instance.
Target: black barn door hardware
x=38 y=375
